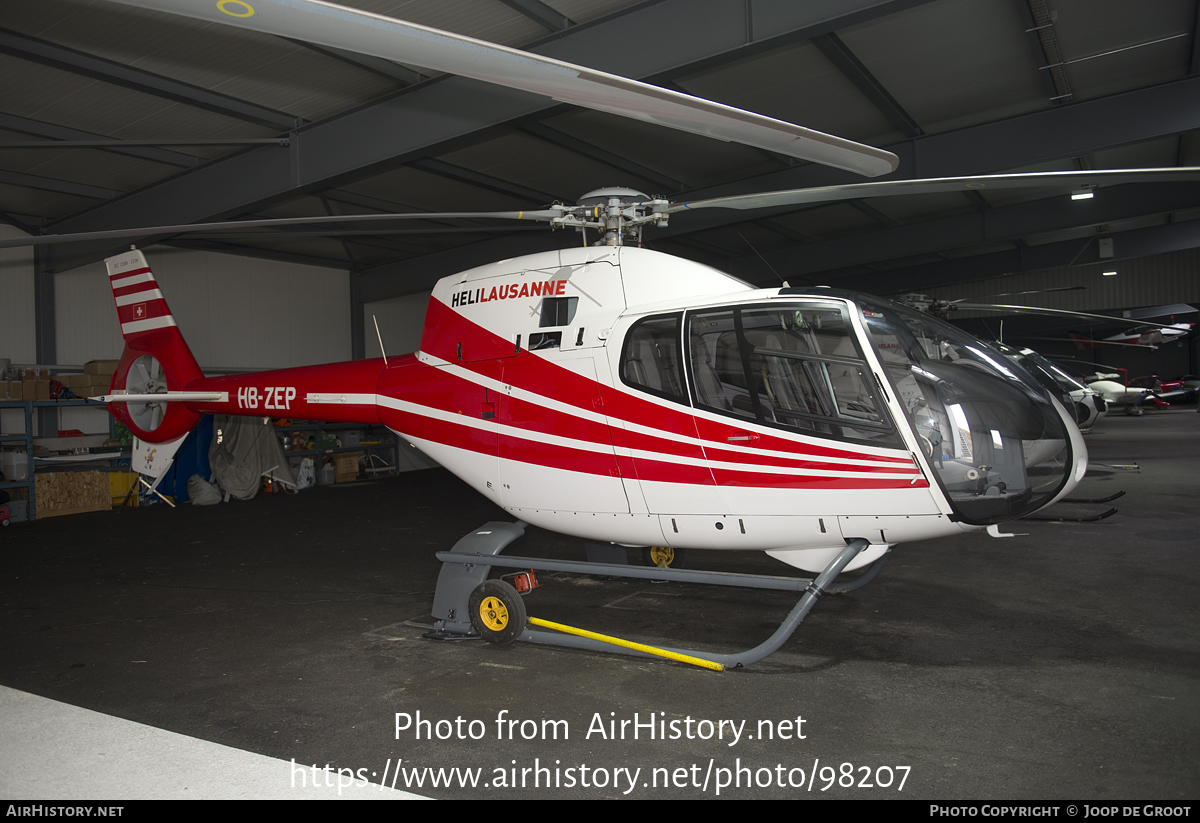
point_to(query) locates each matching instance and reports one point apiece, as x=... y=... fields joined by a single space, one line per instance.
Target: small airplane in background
x=1142 y=336
x=1113 y=385
x=1148 y=334
x=1088 y=405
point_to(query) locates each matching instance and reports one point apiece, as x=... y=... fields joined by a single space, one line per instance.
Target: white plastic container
x=15 y=466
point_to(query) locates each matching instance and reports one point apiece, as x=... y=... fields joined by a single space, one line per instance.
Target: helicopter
x=628 y=397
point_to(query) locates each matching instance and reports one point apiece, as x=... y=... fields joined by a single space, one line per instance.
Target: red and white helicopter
x=630 y=397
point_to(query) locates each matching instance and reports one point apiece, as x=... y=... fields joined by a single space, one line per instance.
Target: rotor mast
x=617 y=213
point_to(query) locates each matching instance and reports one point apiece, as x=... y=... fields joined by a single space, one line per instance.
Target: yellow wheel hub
x=663 y=556
x=493 y=613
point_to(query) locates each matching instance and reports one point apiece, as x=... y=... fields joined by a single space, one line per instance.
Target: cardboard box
x=100 y=367
x=35 y=388
x=345 y=467
x=73 y=381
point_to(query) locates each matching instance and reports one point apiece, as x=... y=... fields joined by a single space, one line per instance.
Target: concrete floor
x=1059 y=665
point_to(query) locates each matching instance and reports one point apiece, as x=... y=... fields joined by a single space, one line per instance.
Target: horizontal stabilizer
x=169 y=396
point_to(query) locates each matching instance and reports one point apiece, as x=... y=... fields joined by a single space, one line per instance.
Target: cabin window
x=558 y=311
x=651 y=358
x=790 y=367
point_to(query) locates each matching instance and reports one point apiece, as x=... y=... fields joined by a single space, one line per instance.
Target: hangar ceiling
x=200 y=122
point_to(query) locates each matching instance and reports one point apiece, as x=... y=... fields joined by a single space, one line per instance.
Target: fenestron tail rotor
x=146 y=377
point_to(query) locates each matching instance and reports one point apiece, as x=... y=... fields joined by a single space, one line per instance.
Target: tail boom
x=159 y=391
x=337 y=392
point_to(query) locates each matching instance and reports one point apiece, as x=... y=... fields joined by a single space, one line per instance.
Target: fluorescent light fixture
x=1082 y=194
x=1108 y=273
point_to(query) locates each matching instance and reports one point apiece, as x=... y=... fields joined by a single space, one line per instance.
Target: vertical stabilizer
x=156 y=358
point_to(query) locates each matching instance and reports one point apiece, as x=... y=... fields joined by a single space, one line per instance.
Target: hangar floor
x=1064 y=664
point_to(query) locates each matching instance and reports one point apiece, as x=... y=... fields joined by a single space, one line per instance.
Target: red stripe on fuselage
x=487 y=354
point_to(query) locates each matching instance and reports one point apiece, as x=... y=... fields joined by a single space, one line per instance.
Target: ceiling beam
x=1003 y=223
x=24 y=222
x=1037 y=44
x=856 y=72
x=34 y=181
x=1126 y=245
x=608 y=158
x=1067 y=130
x=485 y=181
x=27 y=125
x=367 y=62
x=649 y=41
x=540 y=13
x=109 y=71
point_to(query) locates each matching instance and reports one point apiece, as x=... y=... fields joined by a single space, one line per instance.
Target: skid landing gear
x=467 y=604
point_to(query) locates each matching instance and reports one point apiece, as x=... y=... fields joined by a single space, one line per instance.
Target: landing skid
x=1108 y=499
x=1090 y=519
x=466 y=567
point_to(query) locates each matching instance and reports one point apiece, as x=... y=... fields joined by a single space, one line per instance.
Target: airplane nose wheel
x=497 y=612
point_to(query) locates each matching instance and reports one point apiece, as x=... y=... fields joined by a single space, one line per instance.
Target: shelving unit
x=26 y=439
x=390 y=443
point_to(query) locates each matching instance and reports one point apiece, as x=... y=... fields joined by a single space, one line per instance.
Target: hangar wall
x=1155 y=280
x=400 y=322
x=237 y=313
x=18 y=341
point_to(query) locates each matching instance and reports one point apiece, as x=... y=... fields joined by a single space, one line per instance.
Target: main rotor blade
x=933 y=185
x=361 y=32
x=1124 y=322
x=543 y=215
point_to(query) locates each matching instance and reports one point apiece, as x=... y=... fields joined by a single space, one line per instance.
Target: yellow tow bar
x=616 y=641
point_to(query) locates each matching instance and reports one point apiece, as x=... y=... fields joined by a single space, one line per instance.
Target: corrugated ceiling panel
x=542 y=166
x=22 y=200
x=433 y=192
x=799 y=85
x=60 y=97
x=1093 y=27
x=582 y=11
x=693 y=160
x=262 y=69
x=953 y=63
x=91 y=167
x=483 y=19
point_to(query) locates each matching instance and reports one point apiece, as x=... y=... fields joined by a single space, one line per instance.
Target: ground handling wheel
x=664 y=557
x=497 y=612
